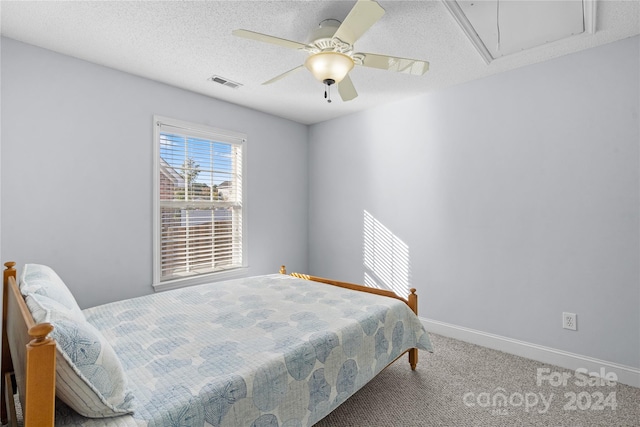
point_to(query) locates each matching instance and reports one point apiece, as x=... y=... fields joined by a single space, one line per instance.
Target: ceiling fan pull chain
x=498 y=24
x=327 y=92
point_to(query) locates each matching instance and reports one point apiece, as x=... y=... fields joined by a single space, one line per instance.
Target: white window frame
x=219 y=135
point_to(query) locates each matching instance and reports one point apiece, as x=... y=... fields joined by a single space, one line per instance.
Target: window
x=198 y=203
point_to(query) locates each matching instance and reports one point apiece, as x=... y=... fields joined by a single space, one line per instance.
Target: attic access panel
x=504 y=27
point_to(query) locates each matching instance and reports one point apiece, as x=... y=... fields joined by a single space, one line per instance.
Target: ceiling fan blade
x=346 y=89
x=268 y=39
x=283 y=75
x=414 y=67
x=364 y=14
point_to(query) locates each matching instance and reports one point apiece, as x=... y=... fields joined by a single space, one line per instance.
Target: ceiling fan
x=331 y=52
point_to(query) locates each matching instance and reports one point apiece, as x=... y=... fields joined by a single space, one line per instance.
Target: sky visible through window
x=212 y=161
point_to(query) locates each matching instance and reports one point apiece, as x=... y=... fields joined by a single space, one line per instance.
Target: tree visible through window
x=199 y=223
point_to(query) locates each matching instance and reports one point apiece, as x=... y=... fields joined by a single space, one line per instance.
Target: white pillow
x=89 y=376
x=42 y=306
x=42 y=280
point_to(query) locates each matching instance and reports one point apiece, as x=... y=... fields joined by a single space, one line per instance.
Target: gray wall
x=517 y=196
x=77 y=159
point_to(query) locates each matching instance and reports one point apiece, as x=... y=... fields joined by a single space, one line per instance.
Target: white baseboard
x=626 y=374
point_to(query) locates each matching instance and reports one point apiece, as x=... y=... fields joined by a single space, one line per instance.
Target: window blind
x=200 y=201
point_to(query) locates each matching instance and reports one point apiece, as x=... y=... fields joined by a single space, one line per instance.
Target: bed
x=267 y=351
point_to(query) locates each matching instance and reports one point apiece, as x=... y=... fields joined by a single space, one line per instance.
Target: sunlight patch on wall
x=385 y=257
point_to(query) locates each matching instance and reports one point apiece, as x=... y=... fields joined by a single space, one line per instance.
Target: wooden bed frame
x=29 y=354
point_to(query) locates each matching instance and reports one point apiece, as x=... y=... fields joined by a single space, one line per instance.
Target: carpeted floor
x=462 y=385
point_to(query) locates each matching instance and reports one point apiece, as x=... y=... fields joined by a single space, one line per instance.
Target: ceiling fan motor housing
x=322 y=35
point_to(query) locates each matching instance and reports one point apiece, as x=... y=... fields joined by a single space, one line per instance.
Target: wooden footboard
x=411 y=300
x=30 y=354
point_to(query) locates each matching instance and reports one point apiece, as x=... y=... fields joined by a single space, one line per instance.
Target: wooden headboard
x=30 y=354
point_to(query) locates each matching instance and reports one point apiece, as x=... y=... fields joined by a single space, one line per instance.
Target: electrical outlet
x=570 y=321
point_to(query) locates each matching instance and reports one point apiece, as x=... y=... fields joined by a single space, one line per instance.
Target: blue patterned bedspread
x=267 y=351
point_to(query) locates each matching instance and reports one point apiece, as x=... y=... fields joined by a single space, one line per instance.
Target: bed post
x=40 y=381
x=7 y=366
x=413 y=304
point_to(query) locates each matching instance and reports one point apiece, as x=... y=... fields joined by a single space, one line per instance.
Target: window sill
x=201 y=279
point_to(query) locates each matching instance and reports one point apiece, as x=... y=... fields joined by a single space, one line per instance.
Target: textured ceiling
x=184 y=43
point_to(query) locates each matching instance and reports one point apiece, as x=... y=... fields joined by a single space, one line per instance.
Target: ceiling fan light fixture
x=329 y=66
